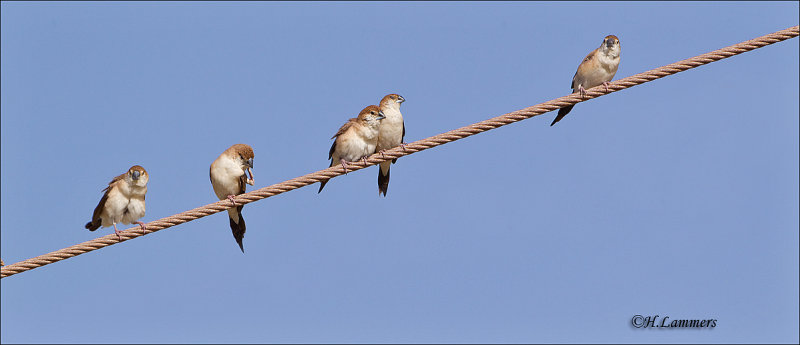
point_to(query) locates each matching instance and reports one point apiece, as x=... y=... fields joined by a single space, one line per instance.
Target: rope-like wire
x=416 y=146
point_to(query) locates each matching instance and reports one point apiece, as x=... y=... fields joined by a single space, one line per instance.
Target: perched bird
x=598 y=68
x=356 y=139
x=391 y=133
x=228 y=178
x=122 y=201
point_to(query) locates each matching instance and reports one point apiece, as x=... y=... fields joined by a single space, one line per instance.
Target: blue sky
x=676 y=198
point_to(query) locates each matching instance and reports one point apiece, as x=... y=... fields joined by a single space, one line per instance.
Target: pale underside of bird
x=598 y=68
x=228 y=174
x=122 y=201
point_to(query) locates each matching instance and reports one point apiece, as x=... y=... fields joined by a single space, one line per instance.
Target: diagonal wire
x=416 y=146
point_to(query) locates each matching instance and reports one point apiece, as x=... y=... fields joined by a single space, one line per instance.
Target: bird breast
x=225 y=175
x=134 y=211
x=115 y=206
x=352 y=148
x=391 y=130
x=609 y=65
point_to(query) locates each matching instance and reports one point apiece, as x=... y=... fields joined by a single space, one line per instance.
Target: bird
x=356 y=139
x=122 y=201
x=391 y=133
x=228 y=178
x=598 y=68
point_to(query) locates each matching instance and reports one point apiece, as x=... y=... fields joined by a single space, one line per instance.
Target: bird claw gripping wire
x=142 y=225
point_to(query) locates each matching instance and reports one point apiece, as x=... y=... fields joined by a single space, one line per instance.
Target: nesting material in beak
x=251 y=181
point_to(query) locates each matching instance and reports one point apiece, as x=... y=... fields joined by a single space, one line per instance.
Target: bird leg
x=117 y=232
x=142 y=225
x=606 y=84
x=230 y=197
x=344 y=166
x=582 y=91
x=365 y=160
x=382 y=155
x=403 y=145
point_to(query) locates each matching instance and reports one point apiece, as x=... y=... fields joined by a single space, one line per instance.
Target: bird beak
x=401 y=99
x=250 y=162
x=135 y=175
x=380 y=116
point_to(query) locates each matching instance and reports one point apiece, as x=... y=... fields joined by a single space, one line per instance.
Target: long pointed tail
x=383 y=178
x=239 y=228
x=322 y=185
x=561 y=113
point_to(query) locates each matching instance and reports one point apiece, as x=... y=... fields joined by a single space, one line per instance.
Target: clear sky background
x=675 y=198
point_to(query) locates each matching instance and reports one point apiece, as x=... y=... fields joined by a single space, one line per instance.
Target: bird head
x=611 y=46
x=137 y=176
x=371 y=116
x=392 y=101
x=243 y=155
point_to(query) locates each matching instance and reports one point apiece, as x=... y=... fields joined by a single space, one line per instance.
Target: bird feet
x=582 y=91
x=365 y=160
x=606 y=84
x=230 y=197
x=117 y=232
x=344 y=165
x=142 y=225
x=403 y=145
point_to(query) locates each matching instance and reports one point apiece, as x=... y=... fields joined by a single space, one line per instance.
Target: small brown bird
x=391 y=133
x=356 y=139
x=122 y=201
x=598 y=68
x=228 y=178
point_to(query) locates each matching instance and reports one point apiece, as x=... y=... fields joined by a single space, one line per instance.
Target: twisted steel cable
x=416 y=146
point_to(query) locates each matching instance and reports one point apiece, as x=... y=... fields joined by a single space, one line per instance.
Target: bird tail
x=383 y=178
x=239 y=228
x=321 y=185
x=561 y=113
x=91 y=226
